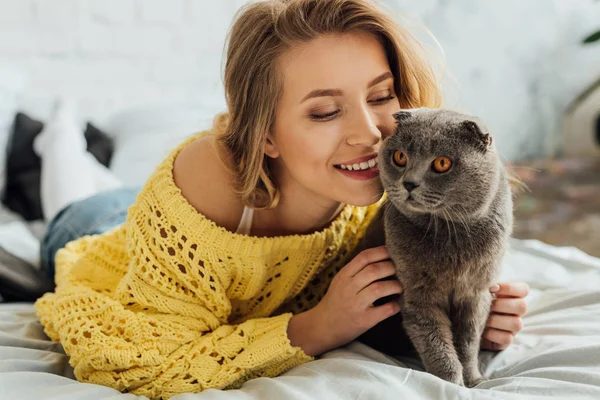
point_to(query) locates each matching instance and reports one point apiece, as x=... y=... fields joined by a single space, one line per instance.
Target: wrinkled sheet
x=556 y=356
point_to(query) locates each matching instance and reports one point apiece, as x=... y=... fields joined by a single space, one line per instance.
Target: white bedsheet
x=556 y=356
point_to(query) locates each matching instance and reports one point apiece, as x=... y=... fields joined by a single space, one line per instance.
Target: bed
x=556 y=356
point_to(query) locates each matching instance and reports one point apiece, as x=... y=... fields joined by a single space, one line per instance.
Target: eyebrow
x=338 y=92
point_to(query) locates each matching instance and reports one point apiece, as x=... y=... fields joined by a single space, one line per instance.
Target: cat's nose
x=410 y=185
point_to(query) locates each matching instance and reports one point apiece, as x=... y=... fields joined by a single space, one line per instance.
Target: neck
x=298 y=212
x=296 y=217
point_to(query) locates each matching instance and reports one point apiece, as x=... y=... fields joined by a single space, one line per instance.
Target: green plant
x=593 y=37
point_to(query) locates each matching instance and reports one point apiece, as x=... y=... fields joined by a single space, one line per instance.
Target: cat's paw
x=455 y=378
x=458 y=381
x=475 y=381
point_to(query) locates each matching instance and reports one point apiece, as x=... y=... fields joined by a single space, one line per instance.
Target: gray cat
x=447 y=222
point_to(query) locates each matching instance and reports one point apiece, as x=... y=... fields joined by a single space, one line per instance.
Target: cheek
x=438 y=184
x=455 y=186
x=387 y=122
x=310 y=148
x=392 y=173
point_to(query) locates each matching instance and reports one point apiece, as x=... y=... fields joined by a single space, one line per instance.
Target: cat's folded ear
x=472 y=132
x=402 y=116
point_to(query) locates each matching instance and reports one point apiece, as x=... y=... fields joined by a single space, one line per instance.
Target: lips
x=358 y=164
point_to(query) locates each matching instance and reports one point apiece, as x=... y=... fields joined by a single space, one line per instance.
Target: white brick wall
x=518 y=63
x=111 y=54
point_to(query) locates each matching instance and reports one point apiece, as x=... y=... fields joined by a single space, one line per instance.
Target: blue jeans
x=91 y=216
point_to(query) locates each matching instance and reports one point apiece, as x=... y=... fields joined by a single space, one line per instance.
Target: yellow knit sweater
x=169 y=302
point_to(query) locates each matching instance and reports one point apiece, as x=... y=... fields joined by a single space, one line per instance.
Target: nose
x=410 y=185
x=363 y=130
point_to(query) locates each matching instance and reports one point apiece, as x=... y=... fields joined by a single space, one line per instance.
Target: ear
x=402 y=116
x=271 y=149
x=474 y=135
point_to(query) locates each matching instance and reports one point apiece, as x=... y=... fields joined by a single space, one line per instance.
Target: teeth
x=362 y=166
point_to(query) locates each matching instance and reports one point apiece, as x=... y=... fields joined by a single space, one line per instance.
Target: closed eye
x=331 y=115
x=322 y=117
x=382 y=100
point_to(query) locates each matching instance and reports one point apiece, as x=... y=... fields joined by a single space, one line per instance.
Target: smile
x=360 y=169
x=361 y=164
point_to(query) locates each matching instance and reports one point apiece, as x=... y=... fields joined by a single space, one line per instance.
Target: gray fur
x=447 y=243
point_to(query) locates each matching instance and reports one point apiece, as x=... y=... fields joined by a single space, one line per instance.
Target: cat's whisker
x=454 y=226
x=431 y=216
x=465 y=225
x=446 y=221
x=446 y=217
x=502 y=156
x=394 y=193
x=462 y=215
x=433 y=194
x=462 y=219
x=431 y=198
x=376 y=197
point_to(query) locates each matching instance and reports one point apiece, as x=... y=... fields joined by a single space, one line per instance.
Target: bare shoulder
x=206 y=183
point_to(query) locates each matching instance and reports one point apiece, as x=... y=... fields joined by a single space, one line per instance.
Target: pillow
x=23 y=165
x=99 y=144
x=144 y=136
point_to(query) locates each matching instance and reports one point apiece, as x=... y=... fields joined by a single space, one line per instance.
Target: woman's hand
x=347 y=311
x=505 y=319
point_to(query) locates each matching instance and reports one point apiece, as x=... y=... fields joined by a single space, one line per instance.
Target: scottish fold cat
x=446 y=224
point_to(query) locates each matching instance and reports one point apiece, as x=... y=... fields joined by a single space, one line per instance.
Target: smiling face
x=439 y=162
x=337 y=106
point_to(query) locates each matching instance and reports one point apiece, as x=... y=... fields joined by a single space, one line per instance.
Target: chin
x=359 y=194
x=365 y=198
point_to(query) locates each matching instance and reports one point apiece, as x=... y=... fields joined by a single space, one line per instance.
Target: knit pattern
x=170 y=303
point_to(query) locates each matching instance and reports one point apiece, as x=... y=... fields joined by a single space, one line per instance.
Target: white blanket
x=556 y=356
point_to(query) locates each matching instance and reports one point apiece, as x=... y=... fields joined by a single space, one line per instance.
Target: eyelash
x=321 y=117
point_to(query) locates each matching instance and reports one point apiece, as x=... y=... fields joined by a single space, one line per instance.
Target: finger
x=379 y=313
x=372 y=273
x=498 y=336
x=489 y=345
x=365 y=258
x=378 y=290
x=509 y=306
x=508 y=323
x=512 y=289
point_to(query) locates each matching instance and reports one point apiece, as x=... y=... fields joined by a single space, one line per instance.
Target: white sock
x=69 y=172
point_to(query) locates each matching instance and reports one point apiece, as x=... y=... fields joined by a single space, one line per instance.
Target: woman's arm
x=154 y=319
x=160 y=355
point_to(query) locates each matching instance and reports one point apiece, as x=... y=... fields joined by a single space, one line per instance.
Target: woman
x=225 y=268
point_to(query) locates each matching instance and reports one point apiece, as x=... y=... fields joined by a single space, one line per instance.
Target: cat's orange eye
x=442 y=164
x=400 y=158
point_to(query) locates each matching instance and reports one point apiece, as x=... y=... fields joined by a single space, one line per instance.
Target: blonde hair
x=262 y=32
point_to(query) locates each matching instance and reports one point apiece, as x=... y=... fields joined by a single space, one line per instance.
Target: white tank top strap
x=245 y=225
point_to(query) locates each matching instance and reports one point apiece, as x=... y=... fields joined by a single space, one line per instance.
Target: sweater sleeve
x=162 y=328
x=160 y=356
